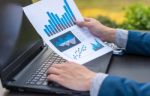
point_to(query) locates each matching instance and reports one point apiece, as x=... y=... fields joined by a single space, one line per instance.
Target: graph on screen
x=57 y=24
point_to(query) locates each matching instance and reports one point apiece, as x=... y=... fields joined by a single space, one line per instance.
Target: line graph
x=78 y=53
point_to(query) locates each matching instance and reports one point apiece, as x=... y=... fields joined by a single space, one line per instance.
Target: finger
x=54 y=78
x=57 y=65
x=82 y=24
x=54 y=70
x=87 y=19
x=68 y=62
x=62 y=64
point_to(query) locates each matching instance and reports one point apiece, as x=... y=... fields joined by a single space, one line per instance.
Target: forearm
x=133 y=42
x=116 y=86
x=119 y=37
x=105 y=85
x=138 y=43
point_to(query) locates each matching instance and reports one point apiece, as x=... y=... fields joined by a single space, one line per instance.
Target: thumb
x=83 y=24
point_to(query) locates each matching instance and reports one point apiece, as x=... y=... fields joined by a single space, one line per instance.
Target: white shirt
x=121 y=41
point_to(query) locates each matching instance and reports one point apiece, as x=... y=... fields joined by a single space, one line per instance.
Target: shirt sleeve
x=121 y=41
x=121 y=38
x=96 y=83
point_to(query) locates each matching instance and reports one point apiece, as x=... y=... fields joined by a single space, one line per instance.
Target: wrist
x=111 y=35
x=89 y=81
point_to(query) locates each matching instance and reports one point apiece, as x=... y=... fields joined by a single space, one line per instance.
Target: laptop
x=24 y=58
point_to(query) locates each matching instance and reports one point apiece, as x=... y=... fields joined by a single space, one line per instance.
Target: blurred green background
x=128 y=14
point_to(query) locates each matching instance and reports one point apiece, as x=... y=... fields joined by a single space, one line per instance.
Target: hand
x=71 y=75
x=103 y=32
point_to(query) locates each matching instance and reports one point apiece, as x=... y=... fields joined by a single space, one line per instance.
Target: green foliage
x=137 y=18
x=106 y=21
x=35 y=1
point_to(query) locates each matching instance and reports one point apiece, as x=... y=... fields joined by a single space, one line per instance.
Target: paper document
x=54 y=20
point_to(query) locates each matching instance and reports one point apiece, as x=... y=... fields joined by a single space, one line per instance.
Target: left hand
x=71 y=75
x=98 y=29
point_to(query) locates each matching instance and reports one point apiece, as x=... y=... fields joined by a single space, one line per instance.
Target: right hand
x=103 y=32
x=71 y=75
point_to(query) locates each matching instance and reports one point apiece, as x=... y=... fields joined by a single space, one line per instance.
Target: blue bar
x=56 y=22
x=53 y=20
x=47 y=28
x=53 y=27
x=61 y=23
x=67 y=23
x=46 y=31
x=69 y=15
x=62 y=19
x=67 y=20
x=50 y=28
x=68 y=7
x=63 y=16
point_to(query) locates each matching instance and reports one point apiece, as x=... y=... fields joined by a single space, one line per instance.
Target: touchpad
x=99 y=64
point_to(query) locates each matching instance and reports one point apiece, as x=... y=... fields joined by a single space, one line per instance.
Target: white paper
x=54 y=20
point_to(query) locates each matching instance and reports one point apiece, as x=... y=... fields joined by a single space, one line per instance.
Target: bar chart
x=57 y=24
x=96 y=45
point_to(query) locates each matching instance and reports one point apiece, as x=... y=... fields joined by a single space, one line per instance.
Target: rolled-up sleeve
x=121 y=38
x=96 y=83
x=121 y=41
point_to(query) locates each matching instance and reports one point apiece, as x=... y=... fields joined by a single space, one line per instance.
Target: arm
x=123 y=87
x=133 y=42
x=124 y=39
x=138 y=43
x=78 y=77
x=85 y=80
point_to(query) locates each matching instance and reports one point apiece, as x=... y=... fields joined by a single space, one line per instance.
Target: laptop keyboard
x=40 y=76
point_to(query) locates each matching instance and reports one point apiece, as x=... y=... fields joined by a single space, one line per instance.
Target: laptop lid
x=18 y=39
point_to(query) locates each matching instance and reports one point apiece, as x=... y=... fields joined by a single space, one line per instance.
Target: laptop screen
x=17 y=35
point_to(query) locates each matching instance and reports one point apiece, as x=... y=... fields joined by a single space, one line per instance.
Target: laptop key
x=39 y=83
x=34 y=80
x=40 y=77
x=45 y=83
x=32 y=83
